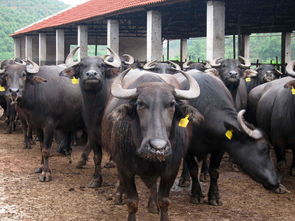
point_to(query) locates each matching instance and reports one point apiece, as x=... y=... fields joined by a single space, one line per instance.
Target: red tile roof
x=89 y=9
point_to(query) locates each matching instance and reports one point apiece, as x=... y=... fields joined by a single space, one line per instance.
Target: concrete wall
x=51 y=50
x=36 y=49
x=133 y=46
x=22 y=47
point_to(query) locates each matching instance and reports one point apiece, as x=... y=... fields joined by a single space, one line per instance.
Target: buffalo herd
x=151 y=117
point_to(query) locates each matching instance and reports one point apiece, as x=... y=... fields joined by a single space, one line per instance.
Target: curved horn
x=186 y=65
x=70 y=60
x=116 y=63
x=177 y=67
x=215 y=62
x=255 y=134
x=130 y=59
x=2 y=71
x=22 y=62
x=247 y=63
x=149 y=65
x=119 y=92
x=278 y=72
x=192 y=92
x=32 y=67
x=290 y=68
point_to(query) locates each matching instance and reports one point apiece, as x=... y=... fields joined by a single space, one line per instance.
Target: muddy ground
x=66 y=197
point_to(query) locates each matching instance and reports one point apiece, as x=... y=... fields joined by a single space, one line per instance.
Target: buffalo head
x=189 y=65
x=154 y=108
x=265 y=73
x=14 y=77
x=161 y=67
x=92 y=71
x=231 y=70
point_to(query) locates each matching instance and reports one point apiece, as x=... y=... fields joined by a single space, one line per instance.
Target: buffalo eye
x=141 y=105
x=171 y=104
x=24 y=74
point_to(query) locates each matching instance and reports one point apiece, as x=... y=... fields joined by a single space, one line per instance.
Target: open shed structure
x=139 y=27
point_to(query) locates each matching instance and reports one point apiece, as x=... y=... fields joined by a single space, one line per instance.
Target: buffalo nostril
x=91 y=73
x=158 y=144
x=233 y=73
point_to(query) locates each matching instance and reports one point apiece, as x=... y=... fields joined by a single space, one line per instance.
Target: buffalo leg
x=84 y=156
x=65 y=146
x=128 y=184
x=213 y=195
x=205 y=168
x=280 y=154
x=151 y=183
x=40 y=137
x=97 y=178
x=48 y=132
x=292 y=171
x=163 y=194
x=196 y=192
x=184 y=180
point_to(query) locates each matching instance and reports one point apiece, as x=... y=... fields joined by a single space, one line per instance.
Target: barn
x=139 y=27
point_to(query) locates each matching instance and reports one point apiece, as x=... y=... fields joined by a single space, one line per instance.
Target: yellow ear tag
x=75 y=80
x=2 y=89
x=248 y=79
x=184 y=121
x=293 y=90
x=229 y=134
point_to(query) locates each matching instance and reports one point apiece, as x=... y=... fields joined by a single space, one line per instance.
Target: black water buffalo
x=189 y=65
x=231 y=72
x=141 y=132
x=49 y=102
x=95 y=76
x=223 y=130
x=264 y=73
x=272 y=105
x=162 y=67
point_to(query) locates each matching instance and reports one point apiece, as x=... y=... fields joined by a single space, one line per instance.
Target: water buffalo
x=95 y=76
x=141 y=132
x=189 y=65
x=264 y=73
x=49 y=102
x=231 y=72
x=223 y=130
x=162 y=67
x=272 y=105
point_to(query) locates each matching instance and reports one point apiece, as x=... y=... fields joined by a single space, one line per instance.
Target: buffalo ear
x=70 y=72
x=236 y=132
x=290 y=84
x=122 y=112
x=248 y=73
x=37 y=79
x=112 y=72
x=194 y=115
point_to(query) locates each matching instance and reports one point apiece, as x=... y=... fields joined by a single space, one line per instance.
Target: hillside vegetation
x=16 y=14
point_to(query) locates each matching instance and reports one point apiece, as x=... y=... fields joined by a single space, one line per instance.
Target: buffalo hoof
x=184 y=182
x=153 y=208
x=197 y=200
x=215 y=202
x=281 y=189
x=110 y=164
x=45 y=177
x=38 y=170
x=95 y=183
x=235 y=167
x=119 y=199
x=32 y=142
x=81 y=164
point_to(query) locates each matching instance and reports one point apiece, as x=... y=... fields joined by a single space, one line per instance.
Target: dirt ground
x=66 y=197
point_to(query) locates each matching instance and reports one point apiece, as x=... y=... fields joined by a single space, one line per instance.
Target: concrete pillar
x=82 y=41
x=286 y=49
x=60 y=46
x=29 y=47
x=42 y=49
x=154 y=35
x=113 y=35
x=244 y=46
x=183 y=50
x=17 y=45
x=215 y=29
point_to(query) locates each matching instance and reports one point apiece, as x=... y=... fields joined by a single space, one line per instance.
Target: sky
x=73 y=2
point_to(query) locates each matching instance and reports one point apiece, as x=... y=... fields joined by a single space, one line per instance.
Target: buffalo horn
x=215 y=62
x=149 y=65
x=119 y=92
x=32 y=67
x=130 y=60
x=2 y=71
x=186 y=65
x=70 y=58
x=278 y=72
x=290 y=68
x=116 y=63
x=246 y=64
x=176 y=66
x=192 y=92
x=255 y=134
